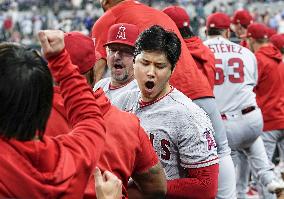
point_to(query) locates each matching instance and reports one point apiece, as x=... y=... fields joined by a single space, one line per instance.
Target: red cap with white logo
x=178 y=15
x=218 y=20
x=242 y=17
x=257 y=31
x=122 y=33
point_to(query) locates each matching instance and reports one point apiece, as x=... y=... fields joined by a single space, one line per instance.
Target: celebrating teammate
x=241 y=20
x=136 y=159
x=235 y=79
x=270 y=86
x=33 y=165
x=120 y=49
x=180 y=131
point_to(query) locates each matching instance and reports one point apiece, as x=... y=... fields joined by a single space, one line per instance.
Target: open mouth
x=118 y=66
x=149 y=84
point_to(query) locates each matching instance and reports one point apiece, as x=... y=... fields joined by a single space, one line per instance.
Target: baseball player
x=180 y=131
x=278 y=41
x=205 y=61
x=136 y=159
x=33 y=165
x=236 y=77
x=241 y=20
x=270 y=86
x=120 y=49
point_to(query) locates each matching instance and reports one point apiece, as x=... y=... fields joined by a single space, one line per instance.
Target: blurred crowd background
x=20 y=20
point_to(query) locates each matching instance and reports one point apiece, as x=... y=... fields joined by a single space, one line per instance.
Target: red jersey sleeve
x=88 y=135
x=146 y=157
x=99 y=32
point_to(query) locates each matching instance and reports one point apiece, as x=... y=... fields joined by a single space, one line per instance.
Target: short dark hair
x=186 y=32
x=215 y=31
x=157 y=38
x=26 y=92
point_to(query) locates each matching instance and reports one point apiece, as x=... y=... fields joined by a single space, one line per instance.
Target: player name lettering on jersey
x=225 y=48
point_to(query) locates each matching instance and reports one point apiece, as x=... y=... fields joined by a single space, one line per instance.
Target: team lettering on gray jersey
x=180 y=131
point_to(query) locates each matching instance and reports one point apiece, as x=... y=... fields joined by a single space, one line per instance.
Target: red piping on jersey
x=143 y=104
x=117 y=87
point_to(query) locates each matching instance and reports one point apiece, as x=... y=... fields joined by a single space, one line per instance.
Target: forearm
x=151 y=183
x=82 y=109
x=202 y=183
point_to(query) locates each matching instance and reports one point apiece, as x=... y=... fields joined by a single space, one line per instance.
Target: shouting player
x=120 y=49
x=181 y=132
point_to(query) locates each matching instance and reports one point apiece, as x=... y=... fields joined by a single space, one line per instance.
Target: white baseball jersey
x=180 y=131
x=112 y=93
x=236 y=75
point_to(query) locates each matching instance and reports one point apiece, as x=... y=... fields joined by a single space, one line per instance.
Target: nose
x=151 y=71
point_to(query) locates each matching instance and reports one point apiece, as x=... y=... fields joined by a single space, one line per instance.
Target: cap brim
x=119 y=42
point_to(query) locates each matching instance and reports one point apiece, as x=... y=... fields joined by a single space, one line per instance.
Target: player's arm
x=198 y=156
x=100 y=67
x=148 y=175
x=201 y=183
x=88 y=135
x=149 y=184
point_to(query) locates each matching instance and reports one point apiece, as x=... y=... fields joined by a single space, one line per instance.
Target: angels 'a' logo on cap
x=121 y=33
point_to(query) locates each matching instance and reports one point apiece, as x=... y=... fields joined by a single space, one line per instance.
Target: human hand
x=107 y=186
x=52 y=42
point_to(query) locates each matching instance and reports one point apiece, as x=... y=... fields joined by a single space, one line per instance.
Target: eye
x=144 y=63
x=112 y=50
x=161 y=66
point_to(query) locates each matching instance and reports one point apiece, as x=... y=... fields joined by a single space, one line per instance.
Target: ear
x=228 y=33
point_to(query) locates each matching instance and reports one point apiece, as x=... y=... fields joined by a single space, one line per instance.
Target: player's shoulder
x=184 y=105
x=102 y=83
x=127 y=100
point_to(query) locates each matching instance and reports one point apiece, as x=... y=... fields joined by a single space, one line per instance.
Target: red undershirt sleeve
x=202 y=183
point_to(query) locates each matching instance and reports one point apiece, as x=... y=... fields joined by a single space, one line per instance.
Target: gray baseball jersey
x=180 y=131
x=112 y=93
x=236 y=75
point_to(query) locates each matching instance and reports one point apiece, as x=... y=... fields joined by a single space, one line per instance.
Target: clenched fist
x=52 y=42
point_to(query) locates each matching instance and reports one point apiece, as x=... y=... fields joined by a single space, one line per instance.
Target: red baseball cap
x=178 y=15
x=257 y=31
x=271 y=32
x=81 y=49
x=277 y=40
x=242 y=17
x=218 y=20
x=122 y=33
